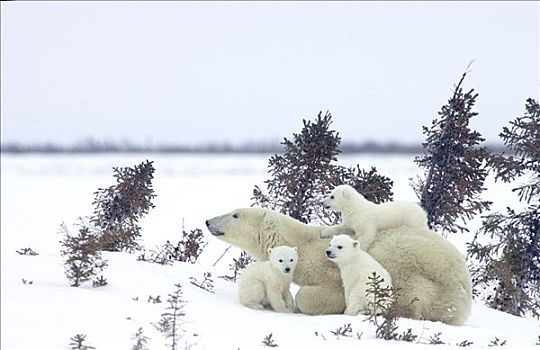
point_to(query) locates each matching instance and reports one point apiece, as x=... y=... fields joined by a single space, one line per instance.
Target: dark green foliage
x=140 y=340
x=77 y=343
x=188 y=249
x=382 y=300
x=268 y=341
x=171 y=320
x=435 y=339
x=408 y=336
x=27 y=251
x=118 y=208
x=374 y=187
x=523 y=139
x=161 y=255
x=306 y=172
x=238 y=266
x=510 y=262
x=384 y=310
x=82 y=255
x=99 y=282
x=454 y=164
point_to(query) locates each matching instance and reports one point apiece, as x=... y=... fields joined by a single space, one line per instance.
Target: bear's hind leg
x=252 y=295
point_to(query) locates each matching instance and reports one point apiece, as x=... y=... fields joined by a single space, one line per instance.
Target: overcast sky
x=187 y=73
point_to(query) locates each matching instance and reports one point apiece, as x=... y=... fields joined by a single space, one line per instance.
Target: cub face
x=338 y=197
x=341 y=247
x=283 y=258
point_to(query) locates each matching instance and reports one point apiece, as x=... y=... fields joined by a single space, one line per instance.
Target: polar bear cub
x=266 y=283
x=365 y=218
x=355 y=266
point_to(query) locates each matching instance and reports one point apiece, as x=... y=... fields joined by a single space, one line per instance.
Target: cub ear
x=269 y=250
x=356 y=244
x=295 y=249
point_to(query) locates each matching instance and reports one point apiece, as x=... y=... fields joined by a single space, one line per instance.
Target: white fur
x=365 y=218
x=355 y=267
x=430 y=274
x=266 y=283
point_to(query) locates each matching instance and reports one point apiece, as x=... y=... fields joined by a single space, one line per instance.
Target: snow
x=39 y=192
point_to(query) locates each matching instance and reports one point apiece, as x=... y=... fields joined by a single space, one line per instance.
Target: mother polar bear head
x=252 y=229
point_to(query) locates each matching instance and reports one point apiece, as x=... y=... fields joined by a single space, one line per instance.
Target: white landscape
x=38 y=193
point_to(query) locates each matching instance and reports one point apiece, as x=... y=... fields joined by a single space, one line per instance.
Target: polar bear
x=424 y=266
x=266 y=283
x=355 y=267
x=366 y=218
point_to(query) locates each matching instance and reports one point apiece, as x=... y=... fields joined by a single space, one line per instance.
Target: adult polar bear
x=431 y=275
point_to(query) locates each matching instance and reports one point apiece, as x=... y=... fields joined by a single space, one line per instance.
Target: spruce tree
x=454 y=165
x=509 y=263
x=118 y=208
x=83 y=260
x=306 y=172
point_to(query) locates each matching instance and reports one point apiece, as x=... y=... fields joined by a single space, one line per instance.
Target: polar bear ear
x=295 y=249
x=356 y=244
x=269 y=250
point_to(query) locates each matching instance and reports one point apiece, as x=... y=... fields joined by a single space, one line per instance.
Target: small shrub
x=465 y=343
x=188 y=249
x=77 y=343
x=170 y=323
x=497 y=342
x=99 y=282
x=238 y=265
x=382 y=299
x=27 y=251
x=154 y=300
x=207 y=283
x=435 y=339
x=140 y=340
x=408 y=336
x=344 y=331
x=162 y=255
x=82 y=255
x=268 y=341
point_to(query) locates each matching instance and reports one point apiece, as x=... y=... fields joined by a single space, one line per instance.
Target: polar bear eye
x=235 y=216
x=291 y=260
x=339 y=247
x=280 y=260
x=331 y=197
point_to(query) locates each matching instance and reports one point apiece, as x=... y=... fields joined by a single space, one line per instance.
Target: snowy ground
x=40 y=192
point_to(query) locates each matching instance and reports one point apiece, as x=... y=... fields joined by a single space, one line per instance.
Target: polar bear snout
x=213 y=229
x=287 y=269
x=329 y=254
